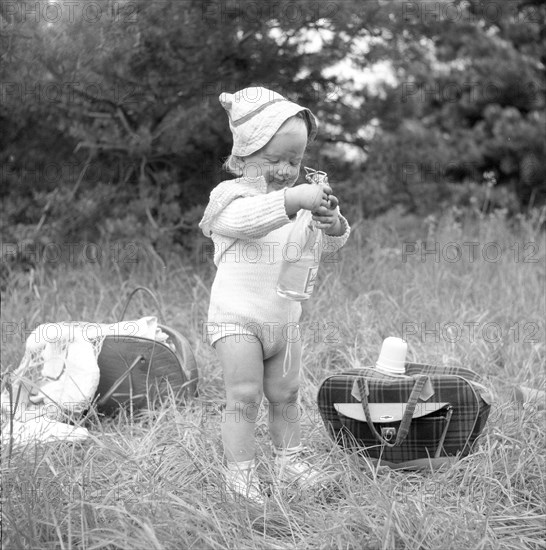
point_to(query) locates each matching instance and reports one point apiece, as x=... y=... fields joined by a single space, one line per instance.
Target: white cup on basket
x=392 y=358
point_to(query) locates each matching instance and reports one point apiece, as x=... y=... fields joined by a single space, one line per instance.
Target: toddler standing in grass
x=249 y=220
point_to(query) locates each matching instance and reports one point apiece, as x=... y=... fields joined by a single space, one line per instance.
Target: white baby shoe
x=295 y=465
x=243 y=483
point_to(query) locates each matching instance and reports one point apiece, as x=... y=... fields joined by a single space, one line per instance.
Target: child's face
x=280 y=160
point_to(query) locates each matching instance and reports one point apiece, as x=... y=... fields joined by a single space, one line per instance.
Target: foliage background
x=112 y=130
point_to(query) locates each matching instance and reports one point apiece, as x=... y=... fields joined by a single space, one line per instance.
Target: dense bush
x=111 y=127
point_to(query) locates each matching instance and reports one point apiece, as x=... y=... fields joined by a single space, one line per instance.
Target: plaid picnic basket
x=430 y=413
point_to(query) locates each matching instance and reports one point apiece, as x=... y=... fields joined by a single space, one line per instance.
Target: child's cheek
x=251 y=170
x=295 y=172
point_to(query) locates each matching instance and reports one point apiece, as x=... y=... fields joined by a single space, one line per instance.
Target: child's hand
x=327 y=218
x=311 y=196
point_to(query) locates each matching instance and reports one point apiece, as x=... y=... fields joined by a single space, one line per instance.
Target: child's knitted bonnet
x=255 y=114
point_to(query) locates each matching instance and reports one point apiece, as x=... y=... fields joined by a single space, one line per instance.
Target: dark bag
x=429 y=414
x=135 y=372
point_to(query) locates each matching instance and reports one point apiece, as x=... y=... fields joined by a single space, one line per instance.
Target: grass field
x=464 y=289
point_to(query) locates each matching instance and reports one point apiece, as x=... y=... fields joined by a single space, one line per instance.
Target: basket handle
x=147 y=291
x=183 y=349
x=408 y=413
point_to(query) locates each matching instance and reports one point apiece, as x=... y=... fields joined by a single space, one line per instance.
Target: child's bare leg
x=291 y=459
x=282 y=393
x=243 y=367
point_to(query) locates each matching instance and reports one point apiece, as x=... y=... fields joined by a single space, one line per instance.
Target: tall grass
x=153 y=479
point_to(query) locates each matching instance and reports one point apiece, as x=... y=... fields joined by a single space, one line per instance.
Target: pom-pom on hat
x=255 y=114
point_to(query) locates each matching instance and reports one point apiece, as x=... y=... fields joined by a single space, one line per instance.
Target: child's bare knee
x=244 y=393
x=282 y=394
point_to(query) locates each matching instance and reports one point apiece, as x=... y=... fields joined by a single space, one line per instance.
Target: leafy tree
x=112 y=126
x=468 y=100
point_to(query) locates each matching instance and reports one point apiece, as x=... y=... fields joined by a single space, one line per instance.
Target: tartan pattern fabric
x=451 y=385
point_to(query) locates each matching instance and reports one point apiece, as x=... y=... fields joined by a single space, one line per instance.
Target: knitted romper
x=250 y=234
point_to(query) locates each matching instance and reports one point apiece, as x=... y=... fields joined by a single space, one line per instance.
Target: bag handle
x=408 y=413
x=149 y=293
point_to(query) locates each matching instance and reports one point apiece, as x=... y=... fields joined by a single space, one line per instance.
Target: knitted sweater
x=259 y=213
x=249 y=228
